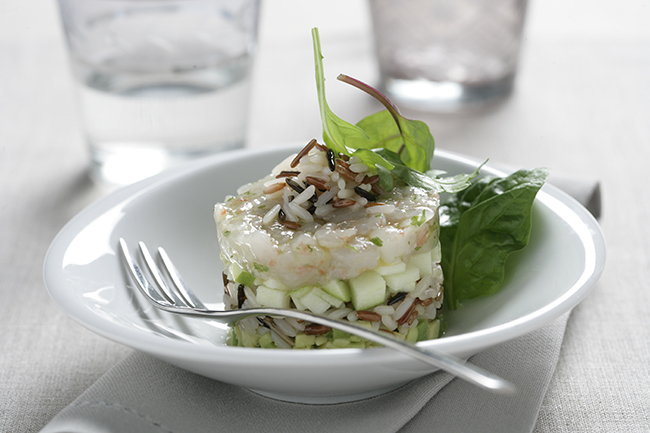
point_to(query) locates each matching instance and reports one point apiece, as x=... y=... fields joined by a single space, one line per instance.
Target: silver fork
x=179 y=299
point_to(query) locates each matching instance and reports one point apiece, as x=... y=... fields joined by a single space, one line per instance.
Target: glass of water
x=447 y=55
x=160 y=81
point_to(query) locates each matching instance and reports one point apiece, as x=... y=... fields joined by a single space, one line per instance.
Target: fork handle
x=443 y=361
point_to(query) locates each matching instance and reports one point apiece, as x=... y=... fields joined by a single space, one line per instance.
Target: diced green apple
x=304 y=341
x=266 y=341
x=332 y=300
x=314 y=299
x=423 y=262
x=367 y=290
x=434 y=329
x=404 y=281
x=269 y=297
x=412 y=334
x=339 y=289
x=395 y=268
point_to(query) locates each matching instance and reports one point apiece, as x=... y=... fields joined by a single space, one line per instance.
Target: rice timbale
x=319 y=234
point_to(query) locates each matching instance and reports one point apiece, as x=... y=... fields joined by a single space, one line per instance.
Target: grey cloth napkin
x=143 y=394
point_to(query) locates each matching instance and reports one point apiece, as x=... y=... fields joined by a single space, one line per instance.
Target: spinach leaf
x=480 y=227
x=387 y=142
x=398 y=134
x=339 y=135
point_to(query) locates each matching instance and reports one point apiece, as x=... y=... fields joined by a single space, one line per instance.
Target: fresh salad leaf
x=415 y=144
x=339 y=135
x=480 y=227
x=388 y=143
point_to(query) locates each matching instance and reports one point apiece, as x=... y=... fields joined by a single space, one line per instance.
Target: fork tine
x=167 y=292
x=143 y=284
x=183 y=289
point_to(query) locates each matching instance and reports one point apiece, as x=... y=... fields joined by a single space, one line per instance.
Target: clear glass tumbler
x=447 y=55
x=160 y=81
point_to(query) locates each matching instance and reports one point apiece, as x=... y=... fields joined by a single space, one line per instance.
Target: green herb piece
x=245 y=278
x=418 y=220
x=480 y=227
x=260 y=268
x=415 y=144
x=377 y=241
x=226 y=233
x=339 y=135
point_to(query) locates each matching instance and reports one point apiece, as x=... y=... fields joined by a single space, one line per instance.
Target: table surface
x=581 y=107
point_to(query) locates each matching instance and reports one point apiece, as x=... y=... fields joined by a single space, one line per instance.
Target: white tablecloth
x=581 y=107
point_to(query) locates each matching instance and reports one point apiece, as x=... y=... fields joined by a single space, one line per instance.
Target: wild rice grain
x=286 y=173
x=305 y=150
x=343 y=169
x=294 y=185
x=365 y=194
x=370 y=316
x=407 y=317
x=293 y=225
x=396 y=298
x=331 y=162
x=346 y=202
x=319 y=183
x=315 y=329
x=241 y=296
x=371 y=180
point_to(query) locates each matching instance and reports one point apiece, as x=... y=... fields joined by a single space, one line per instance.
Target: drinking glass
x=160 y=82
x=447 y=55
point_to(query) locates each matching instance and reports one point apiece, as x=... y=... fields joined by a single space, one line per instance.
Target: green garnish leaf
x=480 y=227
x=419 y=220
x=385 y=178
x=414 y=143
x=336 y=131
x=387 y=142
x=377 y=241
x=245 y=278
x=260 y=268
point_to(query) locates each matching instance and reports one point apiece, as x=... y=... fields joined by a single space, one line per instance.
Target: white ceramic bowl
x=83 y=274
